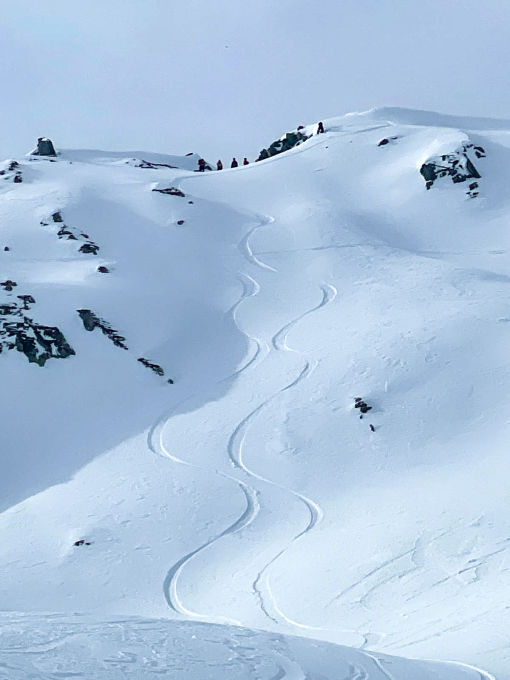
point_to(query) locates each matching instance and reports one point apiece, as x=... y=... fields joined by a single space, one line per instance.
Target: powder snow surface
x=249 y=493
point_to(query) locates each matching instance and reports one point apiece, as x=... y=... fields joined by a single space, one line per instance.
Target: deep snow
x=249 y=492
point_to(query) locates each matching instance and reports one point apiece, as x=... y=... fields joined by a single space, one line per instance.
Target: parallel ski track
x=156 y=444
x=235 y=452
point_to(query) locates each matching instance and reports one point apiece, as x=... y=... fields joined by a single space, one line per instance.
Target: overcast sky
x=224 y=77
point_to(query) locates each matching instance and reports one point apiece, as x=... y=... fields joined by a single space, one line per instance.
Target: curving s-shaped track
x=261 y=586
x=156 y=444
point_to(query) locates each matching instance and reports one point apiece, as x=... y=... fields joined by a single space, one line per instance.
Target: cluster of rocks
x=81 y=542
x=91 y=321
x=154 y=367
x=364 y=408
x=288 y=141
x=457 y=165
x=36 y=341
x=362 y=405
x=171 y=191
x=8 y=285
x=12 y=172
x=72 y=234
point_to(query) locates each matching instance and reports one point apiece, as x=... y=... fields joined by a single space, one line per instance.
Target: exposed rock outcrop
x=154 y=367
x=457 y=165
x=91 y=321
x=171 y=191
x=36 y=341
x=286 y=142
x=44 y=147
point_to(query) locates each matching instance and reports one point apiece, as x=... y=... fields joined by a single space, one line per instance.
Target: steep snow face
x=253 y=489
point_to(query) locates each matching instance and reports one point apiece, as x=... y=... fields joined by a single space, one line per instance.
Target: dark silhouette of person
x=234 y=163
x=320 y=128
x=246 y=161
x=219 y=165
x=201 y=165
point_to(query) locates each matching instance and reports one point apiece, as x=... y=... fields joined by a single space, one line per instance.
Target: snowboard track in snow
x=235 y=451
x=156 y=444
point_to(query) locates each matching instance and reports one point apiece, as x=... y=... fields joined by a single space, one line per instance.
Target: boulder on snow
x=44 y=147
x=89 y=248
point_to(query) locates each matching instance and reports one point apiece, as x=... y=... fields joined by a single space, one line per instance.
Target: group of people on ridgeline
x=203 y=166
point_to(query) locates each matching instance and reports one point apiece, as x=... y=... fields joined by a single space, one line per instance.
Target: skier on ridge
x=219 y=165
x=234 y=163
x=246 y=161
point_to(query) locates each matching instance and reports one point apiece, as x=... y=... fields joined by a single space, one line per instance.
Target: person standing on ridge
x=246 y=161
x=234 y=163
x=201 y=165
x=320 y=128
x=219 y=165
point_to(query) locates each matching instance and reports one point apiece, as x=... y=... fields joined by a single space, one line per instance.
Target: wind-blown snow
x=249 y=492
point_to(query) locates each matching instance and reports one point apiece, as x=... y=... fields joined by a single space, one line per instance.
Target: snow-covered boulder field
x=272 y=398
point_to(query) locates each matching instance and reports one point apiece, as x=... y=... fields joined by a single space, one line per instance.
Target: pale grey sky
x=224 y=77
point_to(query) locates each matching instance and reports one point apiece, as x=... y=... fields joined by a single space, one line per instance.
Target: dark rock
x=18 y=178
x=92 y=321
x=383 y=142
x=457 y=165
x=89 y=248
x=149 y=164
x=170 y=381
x=27 y=300
x=64 y=231
x=44 y=147
x=36 y=341
x=154 y=367
x=13 y=165
x=190 y=202
x=57 y=216
x=8 y=285
x=171 y=191
x=103 y=269
x=6 y=249
x=180 y=222
x=362 y=405
x=288 y=141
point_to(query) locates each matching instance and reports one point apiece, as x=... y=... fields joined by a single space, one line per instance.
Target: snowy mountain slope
x=63 y=647
x=249 y=491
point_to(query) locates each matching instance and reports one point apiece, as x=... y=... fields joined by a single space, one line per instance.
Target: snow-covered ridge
x=242 y=482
